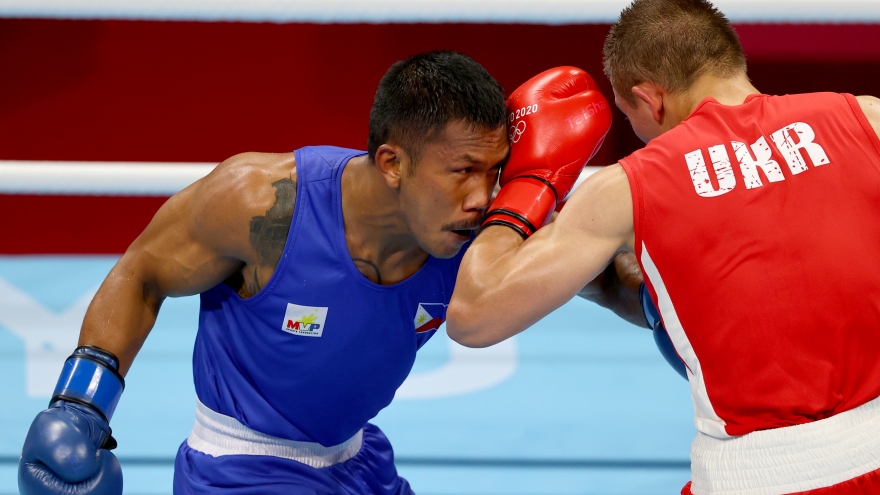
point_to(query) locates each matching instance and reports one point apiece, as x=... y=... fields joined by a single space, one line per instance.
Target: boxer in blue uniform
x=321 y=273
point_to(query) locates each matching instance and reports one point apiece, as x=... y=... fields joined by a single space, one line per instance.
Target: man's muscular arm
x=617 y=288
x=506 y=285
x=196 y=240
x=871 y=106
x=228 y=224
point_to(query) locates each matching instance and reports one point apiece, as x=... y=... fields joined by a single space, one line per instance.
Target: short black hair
x=419 y=96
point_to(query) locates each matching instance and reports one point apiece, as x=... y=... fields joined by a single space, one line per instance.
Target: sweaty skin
x=506 y=285
x=225 y=226
x=231 y=227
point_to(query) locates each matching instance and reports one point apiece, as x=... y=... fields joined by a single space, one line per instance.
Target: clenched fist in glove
x=67 y=449
x=558 y=119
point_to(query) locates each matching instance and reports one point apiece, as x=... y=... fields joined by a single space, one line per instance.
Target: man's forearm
x=483 y=269
x=121 y=316
x=617 y=288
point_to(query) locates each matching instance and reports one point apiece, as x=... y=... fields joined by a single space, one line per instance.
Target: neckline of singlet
x=342 y=247
x=707 y=100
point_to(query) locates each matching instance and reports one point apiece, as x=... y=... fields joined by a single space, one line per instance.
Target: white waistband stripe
x=792 y=459
x=217 y=435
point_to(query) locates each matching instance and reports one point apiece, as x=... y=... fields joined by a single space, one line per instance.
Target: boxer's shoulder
x=250 y=178
x=242 y=211
x=871 y=106
x=870 y=101
x=610 y=187
x=244 y=186
x=230 y=225
x=243 y=207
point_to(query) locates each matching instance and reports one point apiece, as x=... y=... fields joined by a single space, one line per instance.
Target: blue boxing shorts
x=213 y=461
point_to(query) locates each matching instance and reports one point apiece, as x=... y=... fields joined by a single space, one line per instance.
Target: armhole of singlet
x=638 y=210
x=288 y=243
x=863 y=120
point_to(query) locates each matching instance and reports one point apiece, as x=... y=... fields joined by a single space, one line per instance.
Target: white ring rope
x=111 y=178
x=432 y=11
x=99 y=178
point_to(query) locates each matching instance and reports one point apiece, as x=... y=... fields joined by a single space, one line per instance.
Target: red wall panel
x=72 y=224
x=191 y=91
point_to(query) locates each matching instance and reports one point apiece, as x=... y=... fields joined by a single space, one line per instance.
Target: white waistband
x=217 y=435
x=791 y=459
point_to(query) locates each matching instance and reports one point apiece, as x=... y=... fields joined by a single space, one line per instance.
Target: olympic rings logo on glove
x=516 y=131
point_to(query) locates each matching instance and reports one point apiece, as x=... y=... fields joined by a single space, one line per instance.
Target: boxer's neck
x=725 y=90
x=375 y=228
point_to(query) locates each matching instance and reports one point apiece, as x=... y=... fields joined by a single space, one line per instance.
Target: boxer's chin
x=447 y=244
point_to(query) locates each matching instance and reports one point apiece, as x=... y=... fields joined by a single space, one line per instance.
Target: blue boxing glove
x=661 y=336
x=67 y=447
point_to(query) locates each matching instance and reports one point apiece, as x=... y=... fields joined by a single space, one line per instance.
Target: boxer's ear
x=651 y=94
x=389 y=161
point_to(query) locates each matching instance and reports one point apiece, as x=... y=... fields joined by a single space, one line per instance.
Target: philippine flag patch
x=429 y=316
x=304 y=320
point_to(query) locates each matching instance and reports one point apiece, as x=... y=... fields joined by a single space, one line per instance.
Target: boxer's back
x=756 y=227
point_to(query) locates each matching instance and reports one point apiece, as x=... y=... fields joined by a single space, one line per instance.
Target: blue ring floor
x=581 y=403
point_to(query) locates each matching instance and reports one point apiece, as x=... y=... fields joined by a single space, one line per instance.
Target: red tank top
x=758 y=230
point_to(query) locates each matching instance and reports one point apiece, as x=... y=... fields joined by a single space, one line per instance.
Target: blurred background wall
x=75 y=85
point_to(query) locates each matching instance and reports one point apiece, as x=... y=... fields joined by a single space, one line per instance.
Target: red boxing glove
x=558 y=119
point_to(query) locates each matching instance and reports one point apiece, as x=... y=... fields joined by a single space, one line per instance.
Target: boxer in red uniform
x=743 y=210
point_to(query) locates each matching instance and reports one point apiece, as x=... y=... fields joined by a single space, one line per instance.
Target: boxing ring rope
x=385 y=11
x=111 y=178
x=99 y=178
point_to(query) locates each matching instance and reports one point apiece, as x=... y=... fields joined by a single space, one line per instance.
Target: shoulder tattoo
x=269 y=232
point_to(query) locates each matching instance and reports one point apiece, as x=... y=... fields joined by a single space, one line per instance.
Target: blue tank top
x=321 y=349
